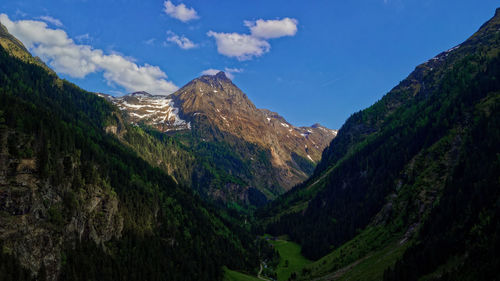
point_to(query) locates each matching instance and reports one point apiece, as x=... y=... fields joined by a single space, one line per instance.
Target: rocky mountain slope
x=216 y=99
x=409 y=188
x=273 y=154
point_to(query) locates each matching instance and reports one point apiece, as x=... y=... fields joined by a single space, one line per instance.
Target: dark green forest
x=168 y=232
x=422 y=163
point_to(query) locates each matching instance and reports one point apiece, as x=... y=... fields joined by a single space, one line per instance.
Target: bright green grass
x=289 y=251
x=363 y=258
x=373 y=266
x=231 y=275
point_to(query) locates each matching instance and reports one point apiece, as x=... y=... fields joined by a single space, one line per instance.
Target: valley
x=200 y=184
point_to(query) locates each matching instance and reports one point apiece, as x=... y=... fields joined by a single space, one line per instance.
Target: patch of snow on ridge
x=453 y=49
x=153 y=110
x=128 y=105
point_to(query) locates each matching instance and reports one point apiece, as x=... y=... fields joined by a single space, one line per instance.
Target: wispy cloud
x=255 y=44
x=182 y=41
x=65 y=56
x=150 y=41
x=210 y=71
x=84 y=38
x=229 y=72
x=20 y=13
x=180 y=12
x=329 y=82
x=51 y=20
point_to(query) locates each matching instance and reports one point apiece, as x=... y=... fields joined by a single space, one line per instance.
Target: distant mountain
x=264 y=153
x=217 y=100
x=409 y=188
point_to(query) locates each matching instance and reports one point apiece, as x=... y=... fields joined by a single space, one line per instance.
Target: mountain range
x=202 y=185
x=270 y=154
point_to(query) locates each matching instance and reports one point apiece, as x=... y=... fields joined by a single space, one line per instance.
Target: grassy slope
x=289 y=251
x=363 y=258
x=231 y=275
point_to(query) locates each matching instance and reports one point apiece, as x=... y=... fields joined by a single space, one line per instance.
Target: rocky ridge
x=215 y=101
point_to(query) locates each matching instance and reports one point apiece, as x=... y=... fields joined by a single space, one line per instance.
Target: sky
x=315 y=61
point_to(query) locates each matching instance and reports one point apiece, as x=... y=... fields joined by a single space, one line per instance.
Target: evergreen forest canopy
x=168 y=232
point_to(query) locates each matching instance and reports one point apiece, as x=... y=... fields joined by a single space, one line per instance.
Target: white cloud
x=180 y=12
x=210 y=71
x=268 y=29
x=233 y=70
x=65 y=56
x=229 y=72
x=240 y=46
x=182 y=41
x=255 y=44
x=51 y=20
x=83 y=38
x=150 y=41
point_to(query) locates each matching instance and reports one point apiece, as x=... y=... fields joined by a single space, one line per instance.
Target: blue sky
x=311 y=61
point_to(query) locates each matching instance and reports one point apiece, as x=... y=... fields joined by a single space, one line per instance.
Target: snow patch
x=154 y=110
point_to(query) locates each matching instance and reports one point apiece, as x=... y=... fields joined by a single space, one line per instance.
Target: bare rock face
x=37 y=215
x=217 y=100
x=213 y=101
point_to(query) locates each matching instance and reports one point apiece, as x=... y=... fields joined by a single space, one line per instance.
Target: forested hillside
x=78 y=204
x=418 y=169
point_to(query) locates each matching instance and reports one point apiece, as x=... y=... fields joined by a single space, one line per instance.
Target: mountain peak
x=221 y=75
x=218 y=77
x=3 y=29
x=7 y=39
x=16 y=48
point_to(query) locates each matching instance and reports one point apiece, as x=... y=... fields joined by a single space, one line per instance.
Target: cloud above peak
x=180 y=12
x=248 y=46
x=182 y=41
x=51 y=20
x=268 y=29
x=56 y=48
x=241 y=46
x=229 y=72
